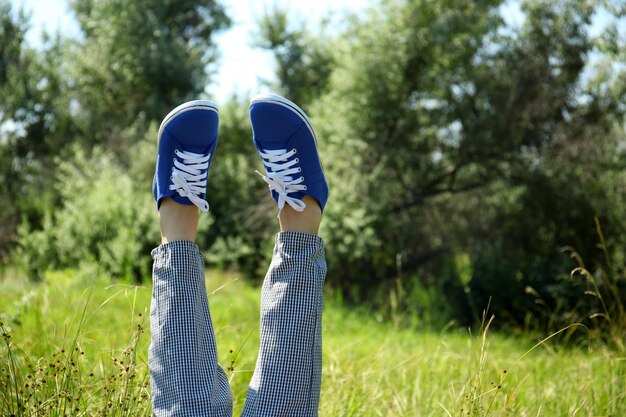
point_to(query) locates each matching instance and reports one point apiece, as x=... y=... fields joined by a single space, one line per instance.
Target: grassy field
x=72 y=347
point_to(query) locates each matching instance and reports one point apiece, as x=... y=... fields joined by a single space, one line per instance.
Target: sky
x=241 y=67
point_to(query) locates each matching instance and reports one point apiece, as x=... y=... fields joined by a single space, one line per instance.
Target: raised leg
x=185 y=377
x=184 y=373
x=287 y=378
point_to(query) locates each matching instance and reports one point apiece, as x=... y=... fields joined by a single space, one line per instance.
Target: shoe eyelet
x=294 y=150
x=299 y=169
x=302 y=179
x=305 y=188
x=173 y=159
x=297 y=160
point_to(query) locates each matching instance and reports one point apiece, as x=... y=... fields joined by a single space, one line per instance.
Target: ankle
x=178 y=221
x=307 y=221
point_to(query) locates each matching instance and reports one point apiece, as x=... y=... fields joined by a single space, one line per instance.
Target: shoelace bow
x=280 y=179
x=189 y=177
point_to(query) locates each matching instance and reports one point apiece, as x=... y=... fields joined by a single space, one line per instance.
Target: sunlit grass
x=80 y=348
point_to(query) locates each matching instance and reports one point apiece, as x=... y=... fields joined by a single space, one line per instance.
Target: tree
x=304 y=62
x=445 y=132
x=131 y=64
x=32 y=119
x=12 y=30
x=139 y=59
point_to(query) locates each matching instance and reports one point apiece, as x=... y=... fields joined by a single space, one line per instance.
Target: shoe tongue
x=199 y=149
x=271 y=141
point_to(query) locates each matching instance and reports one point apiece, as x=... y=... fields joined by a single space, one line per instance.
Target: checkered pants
x=185 y=376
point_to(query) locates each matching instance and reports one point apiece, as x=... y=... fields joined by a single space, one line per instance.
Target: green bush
x=105 y=218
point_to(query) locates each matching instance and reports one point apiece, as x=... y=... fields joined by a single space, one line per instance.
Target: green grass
x=81 y=349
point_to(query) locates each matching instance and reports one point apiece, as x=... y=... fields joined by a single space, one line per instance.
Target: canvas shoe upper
x=187 y=140
x=284 y=137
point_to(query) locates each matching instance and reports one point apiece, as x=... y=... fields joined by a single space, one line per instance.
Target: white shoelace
x=280 y=178
x=188 y=179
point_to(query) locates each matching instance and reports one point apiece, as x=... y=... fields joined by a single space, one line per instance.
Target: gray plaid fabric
x=287 y=378
x=186 y=379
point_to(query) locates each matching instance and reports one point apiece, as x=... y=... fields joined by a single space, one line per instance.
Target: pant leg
x=185 y=377
x=287 y=378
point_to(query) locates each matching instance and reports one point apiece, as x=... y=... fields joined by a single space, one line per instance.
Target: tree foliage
x=138 y=59
x=446 y=131
x=304 y=62
x=132 y=63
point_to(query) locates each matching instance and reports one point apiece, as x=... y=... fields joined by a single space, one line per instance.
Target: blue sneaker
x=187 y=141
x=284 y=137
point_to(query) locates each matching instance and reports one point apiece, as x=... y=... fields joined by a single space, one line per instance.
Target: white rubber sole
x=281 y=101
x=190 y=105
